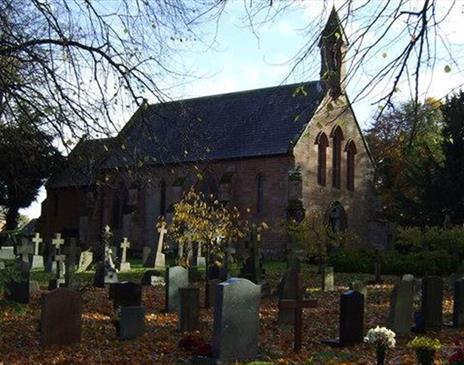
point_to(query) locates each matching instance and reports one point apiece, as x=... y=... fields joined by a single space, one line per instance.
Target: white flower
x=381 y=337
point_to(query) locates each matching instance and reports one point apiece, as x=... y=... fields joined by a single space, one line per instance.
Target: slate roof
x=81 y=165
x=252 y=123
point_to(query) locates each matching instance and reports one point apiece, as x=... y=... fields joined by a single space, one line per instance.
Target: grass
x=274 y=271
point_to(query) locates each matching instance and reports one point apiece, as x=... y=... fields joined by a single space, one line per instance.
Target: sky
x=232 y=57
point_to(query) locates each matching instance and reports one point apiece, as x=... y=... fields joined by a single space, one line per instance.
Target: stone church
x=269 y=152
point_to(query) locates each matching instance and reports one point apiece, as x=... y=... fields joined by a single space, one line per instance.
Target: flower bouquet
x=425 y=348
x=383 y=339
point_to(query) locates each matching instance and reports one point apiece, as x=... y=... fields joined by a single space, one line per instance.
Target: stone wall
x=359 y=204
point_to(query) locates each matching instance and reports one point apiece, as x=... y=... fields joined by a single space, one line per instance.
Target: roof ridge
x=239 y=92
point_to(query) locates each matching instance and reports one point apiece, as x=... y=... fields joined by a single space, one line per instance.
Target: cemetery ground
x=19 y=336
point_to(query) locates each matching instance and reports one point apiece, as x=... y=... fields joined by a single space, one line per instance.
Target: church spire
x=333 y=44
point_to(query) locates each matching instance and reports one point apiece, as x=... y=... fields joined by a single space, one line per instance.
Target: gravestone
x=131 y=322
x=327 y=278
x=432 y=302
x=110 y=268
x=236 y=320
x=18 y=291
x=25 y=250
x=7 y=253
x=288 y=290
x=160 y=259
x=147 y=260
x=200 y=259
x=60 y=269
x=99 y=276
x=211 y=287
x=253 y=268
x=85 y=260
x=124 y=266
x=60 y=320
x=152 y=278
x=401 y=310
x=351 y=322
x=127 y=294
x=297 y=305
x=458 y=304
x=37 y=260
x=189 y=309
x=59 y=260
x=359 y=286
x=72 y=252
x=176 y=277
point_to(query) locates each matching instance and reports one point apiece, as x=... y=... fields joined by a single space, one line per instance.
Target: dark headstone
x=458 y=306
x=236 y=320
x=18 y=291
x=149 y=256
x=127 y=294
x=351 y=320
x=189 y=309
x=288 y=290
x=176 y=277
x=147 y=277
x=400 y=315
x=211 y=287
x=72 y=256
x=99 y=277
x=60 y=321
x=131 y=323
x=432 y=302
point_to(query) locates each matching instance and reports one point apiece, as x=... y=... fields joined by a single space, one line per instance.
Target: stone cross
x=37 y=241
x=125 y=244
x=162 y=231
x=25 y=250
x=57 y=242
x=160 y=260
x=298 y=305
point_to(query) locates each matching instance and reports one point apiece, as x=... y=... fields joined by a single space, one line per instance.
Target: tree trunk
x=12 y=218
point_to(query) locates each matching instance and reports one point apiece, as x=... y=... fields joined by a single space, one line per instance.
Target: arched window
x=259 y=193
x=322 y=144
x=351 y=151
x=337 y=138
x=162 y=206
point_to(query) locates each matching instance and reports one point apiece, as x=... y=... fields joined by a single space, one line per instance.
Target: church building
x=270 y=152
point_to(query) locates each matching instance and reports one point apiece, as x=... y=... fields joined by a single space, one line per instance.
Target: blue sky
x=239 y=60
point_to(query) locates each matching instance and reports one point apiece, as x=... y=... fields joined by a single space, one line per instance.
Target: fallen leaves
x=19 y=336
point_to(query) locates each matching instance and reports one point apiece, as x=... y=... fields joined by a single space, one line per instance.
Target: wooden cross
x=37 y=241
x=125 y=244
x=25 y=250
x=57 y=242
x=298 y=305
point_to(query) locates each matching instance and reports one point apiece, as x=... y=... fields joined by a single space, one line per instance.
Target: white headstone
x=37 y=241
x=200 y=260
x=7 y=253
x=125 y=266
x=85 y=260
x=37 y=260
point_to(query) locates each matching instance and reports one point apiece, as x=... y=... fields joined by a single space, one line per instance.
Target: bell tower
x=333 y=45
